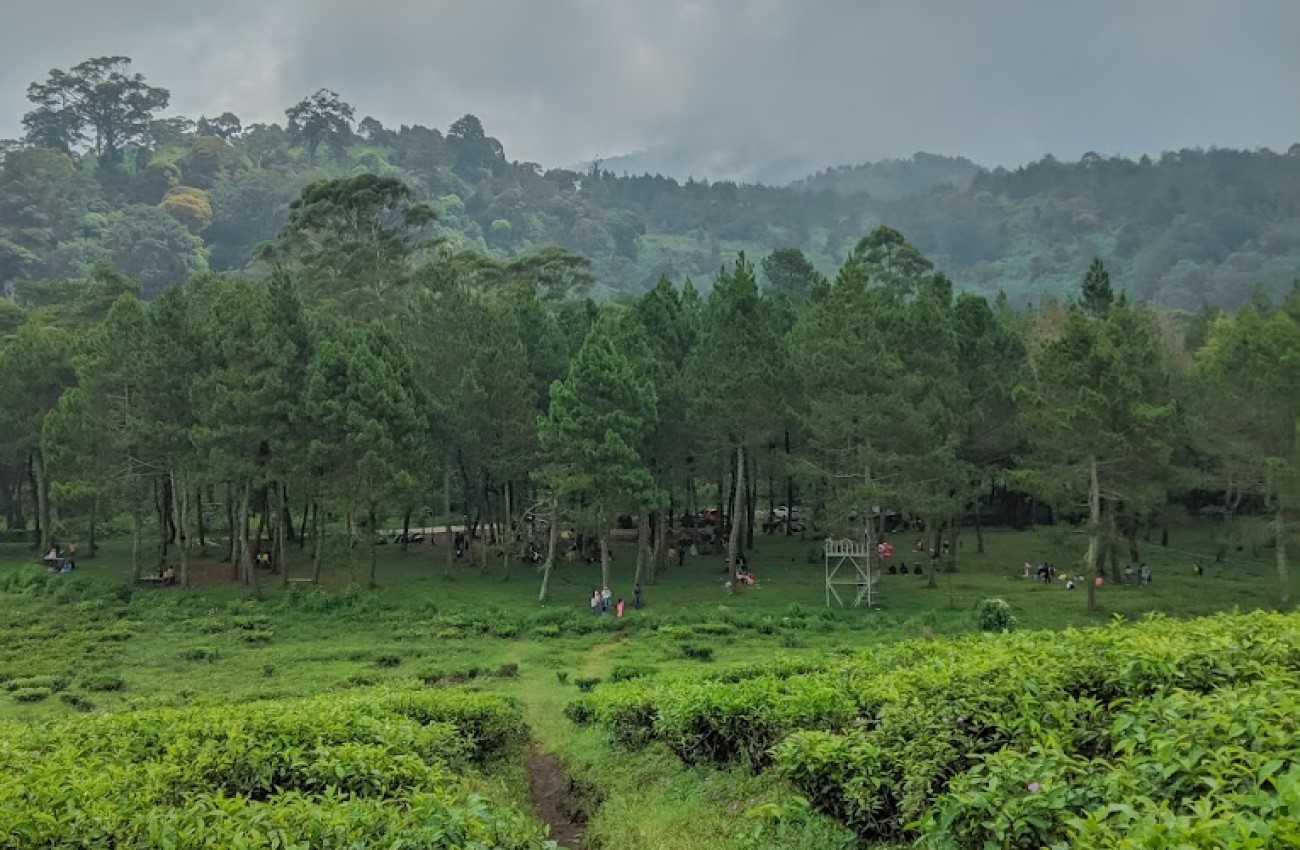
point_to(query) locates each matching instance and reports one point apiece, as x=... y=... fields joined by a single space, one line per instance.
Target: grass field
x=92 y=641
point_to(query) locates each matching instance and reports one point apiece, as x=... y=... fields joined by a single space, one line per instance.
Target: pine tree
x=1097 y=295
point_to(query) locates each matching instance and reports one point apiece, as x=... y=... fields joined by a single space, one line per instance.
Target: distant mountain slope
x=1186 y=228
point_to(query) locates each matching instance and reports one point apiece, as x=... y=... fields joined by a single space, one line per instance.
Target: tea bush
x=392 y=767
x=994 y=615
x=1187 y=732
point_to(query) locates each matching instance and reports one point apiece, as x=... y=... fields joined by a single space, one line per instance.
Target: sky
x=723 y=85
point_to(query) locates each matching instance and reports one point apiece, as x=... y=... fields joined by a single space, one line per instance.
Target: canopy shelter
x=848 y=564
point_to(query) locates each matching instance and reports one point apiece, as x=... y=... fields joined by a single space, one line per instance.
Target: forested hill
x=100 y=177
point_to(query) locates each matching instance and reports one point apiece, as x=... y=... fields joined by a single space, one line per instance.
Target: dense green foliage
x=395 y=767
x=1187 y=228
x=1164 y=733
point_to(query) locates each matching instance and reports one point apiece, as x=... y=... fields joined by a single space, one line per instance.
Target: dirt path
x=548 y=787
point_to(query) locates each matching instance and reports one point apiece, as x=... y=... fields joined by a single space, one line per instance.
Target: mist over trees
x=102 y=176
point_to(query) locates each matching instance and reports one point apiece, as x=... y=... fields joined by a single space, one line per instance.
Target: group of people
x=59 y=561
x=602 y=601
x=165 y=575
x=1141 y=576
x=742 y=576
x=1044 y=572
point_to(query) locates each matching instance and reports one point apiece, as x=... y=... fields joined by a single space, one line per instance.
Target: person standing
x=595 y=601
x=618 y=609
x=605 y=598
x=637 y=599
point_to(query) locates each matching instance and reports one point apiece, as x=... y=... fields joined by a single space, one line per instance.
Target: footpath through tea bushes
x=1167 y=733
x=392 y=767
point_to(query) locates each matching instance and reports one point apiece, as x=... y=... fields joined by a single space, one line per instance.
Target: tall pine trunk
x=44 y=511
x=245 y=549
x=318 y=544
x=737 y=511
x=90 y=532
x=283 y=530
x=1283 y=573
x=661 y=544
x=308 y=505
x=232 y=532
x=450 y=558
x=604 y=556
x=1095 y=565
x=642 y=545
x=936 y=551
x=198 y=520
x=282 y=533
x=954 y=536
x=406 y=530
x=751 y=500
x=789 y=489
x=178 y=511
x=552 y=540
x=351 y=543
x=137 y=541
x=374 y=547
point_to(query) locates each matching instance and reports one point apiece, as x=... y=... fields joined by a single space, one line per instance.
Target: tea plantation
x=1164 y=734
x=439 y=711
x=385 y=768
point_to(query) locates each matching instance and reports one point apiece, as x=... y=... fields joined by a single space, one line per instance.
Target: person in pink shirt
x=619 y=609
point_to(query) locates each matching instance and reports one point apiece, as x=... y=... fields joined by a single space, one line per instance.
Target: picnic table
x=155 y=581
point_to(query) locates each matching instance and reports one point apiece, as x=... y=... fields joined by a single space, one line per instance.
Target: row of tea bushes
x=393 y=767
x=1009 y=740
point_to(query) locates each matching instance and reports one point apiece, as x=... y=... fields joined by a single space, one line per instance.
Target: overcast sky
x=558 y=81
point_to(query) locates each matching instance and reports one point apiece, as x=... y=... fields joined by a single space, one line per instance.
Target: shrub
x=562 y=676
x=627 y=672
x=504 y=629
x=199 y=653
x=994 y=615
x=103 y=683
x=388 y=661
x=252 y=622
x=77 y=701
x=31 y=694
x=507 y=671
x=257 y=636
x=580 y=711
x=549 y=630
x=697 y=652
x=586 y=683
x=53 y=684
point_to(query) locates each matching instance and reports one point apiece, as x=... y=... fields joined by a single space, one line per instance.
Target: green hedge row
x=969 y=743
x=390 y=767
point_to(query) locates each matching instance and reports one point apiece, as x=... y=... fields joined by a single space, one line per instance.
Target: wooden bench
x=300 y=581
x=156 y=581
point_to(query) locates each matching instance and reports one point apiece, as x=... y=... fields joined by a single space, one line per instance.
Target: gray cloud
x=817 y=81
